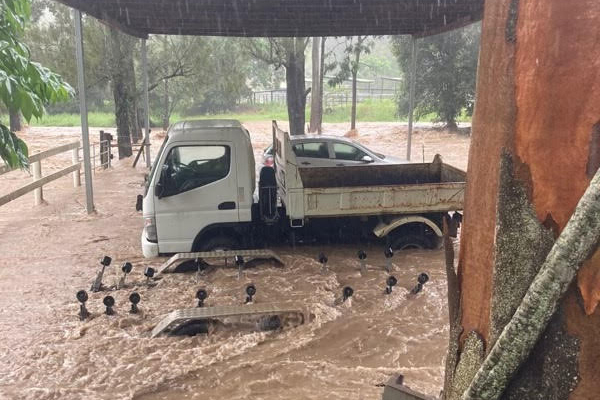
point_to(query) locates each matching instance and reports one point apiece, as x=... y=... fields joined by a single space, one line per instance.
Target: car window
x=347 y=152
x=190 y=167
x=311 y=149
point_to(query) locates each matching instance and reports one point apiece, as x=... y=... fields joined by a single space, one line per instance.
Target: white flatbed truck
x=200 y=196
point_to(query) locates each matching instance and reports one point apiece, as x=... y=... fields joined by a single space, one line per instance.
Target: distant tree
x=349 y=66
x=25 y=86
x=122 y=47
x=49 y=36
x=446 y=72
x=288 y=53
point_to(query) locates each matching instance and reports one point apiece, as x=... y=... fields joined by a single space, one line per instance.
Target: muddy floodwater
x=345 y=351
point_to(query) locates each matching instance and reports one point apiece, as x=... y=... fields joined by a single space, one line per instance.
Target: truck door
x=197 y=188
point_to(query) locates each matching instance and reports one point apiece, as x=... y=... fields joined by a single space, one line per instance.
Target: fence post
x=109 y=138
x=104 y=150
x=75 y=160
x=37 y=175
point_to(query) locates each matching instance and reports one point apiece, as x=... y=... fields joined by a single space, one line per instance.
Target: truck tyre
x=220 y=242
x=408 y=242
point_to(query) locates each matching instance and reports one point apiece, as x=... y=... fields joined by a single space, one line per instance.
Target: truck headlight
x=150 y=226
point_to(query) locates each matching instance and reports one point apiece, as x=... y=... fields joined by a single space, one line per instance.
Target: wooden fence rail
x=38 y=180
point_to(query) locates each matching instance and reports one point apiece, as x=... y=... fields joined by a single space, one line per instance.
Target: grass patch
x=374 y=110
x=98 y=119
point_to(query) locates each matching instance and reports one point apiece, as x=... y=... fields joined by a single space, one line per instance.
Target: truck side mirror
x=160 y=187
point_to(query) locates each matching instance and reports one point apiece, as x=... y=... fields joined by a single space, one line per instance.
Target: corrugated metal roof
x=282 y=18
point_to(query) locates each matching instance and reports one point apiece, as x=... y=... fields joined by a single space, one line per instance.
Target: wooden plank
x=140 y=151
x=37 y=184
x=54 y=151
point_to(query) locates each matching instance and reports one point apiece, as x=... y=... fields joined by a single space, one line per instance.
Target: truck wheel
x=219 y=243
x=408 y=242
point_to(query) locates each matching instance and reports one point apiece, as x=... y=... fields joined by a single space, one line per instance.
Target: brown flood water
x=346 y=352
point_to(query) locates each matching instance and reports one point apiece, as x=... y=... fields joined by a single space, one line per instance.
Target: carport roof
x=282 y=18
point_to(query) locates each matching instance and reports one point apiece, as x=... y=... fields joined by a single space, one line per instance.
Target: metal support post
x=37 y=175
x=146 y=106
x=75 y=160
x=85 y=134
x=411 y=98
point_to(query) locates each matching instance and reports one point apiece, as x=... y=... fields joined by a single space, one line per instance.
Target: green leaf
x=13 y=151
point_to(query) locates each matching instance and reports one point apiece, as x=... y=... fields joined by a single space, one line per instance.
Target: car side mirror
x=139 y=202
x=367 y=159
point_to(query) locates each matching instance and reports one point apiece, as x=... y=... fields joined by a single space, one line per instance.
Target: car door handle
x=340 y=165
x=305 y=163
x=227 y=205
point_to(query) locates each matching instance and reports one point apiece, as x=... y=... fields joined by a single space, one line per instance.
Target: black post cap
x=82 y=296
x=201 y=294
x=391 y=281
x=347 y=292
x=127 y=267
x=106 y=260
x=109 y=301
x=134 y=297
x=322 y=258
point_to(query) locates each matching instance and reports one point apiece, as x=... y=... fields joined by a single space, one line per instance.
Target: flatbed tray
x=180 y=317
x=225 y=254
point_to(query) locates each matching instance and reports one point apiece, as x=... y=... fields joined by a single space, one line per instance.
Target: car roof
x=297 y=138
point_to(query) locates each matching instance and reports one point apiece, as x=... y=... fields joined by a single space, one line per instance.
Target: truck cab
x=203 y=179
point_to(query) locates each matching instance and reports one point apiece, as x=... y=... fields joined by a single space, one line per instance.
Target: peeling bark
x=522 y=244
x=574 y=245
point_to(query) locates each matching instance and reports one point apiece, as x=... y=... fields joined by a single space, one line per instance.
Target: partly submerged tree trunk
x=121 y=94
x=294 y=76
x=315 y=96
x=128 y=48
x=15 y=120
x=527 y=171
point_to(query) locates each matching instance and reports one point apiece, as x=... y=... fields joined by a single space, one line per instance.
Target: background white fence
x=35 y=167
